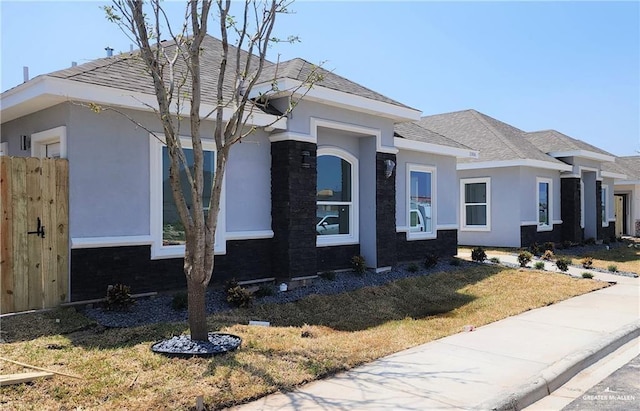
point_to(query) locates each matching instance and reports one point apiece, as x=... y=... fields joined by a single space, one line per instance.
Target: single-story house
x=339 y=176
x=527 y=188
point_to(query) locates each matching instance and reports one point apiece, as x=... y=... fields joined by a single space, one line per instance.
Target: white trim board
x=545 y=165
x=423 y=147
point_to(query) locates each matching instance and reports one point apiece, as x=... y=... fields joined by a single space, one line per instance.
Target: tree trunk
x=197 y=310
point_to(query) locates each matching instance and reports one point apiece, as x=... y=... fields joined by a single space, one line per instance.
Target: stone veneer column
x=571 y=208
x=385 y=212
x=293 y=208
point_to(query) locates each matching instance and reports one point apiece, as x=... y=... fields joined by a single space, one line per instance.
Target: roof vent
x=73 y=64
x=109 y=51
x=25 y=73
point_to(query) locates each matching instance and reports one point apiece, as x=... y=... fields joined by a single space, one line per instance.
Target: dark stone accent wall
x=444 y=246
x=609 y=233
x=93 y=269
x=385 y=212
x=570 y=209
x=599 y=228
x=529 y=234
x=293 y=208
x=336 y=257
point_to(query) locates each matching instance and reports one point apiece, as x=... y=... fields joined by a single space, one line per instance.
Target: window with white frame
x=544 y=202
x=166 y=228
x=336 y=197
x=475 y=194
x=50 y=143
x=603 y=201
x=420 y=201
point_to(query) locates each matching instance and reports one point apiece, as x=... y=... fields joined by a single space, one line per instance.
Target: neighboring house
x=627 y=196
x=527 y=188
x=345 y=153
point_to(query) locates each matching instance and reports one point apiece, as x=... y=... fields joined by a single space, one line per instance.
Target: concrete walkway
x=508 y=364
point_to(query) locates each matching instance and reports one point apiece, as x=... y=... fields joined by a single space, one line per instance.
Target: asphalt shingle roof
x=412 y=131
x=493 y=139
x=630 y=166
x=551 y=140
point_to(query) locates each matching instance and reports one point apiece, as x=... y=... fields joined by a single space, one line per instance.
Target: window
x=476 y=204
x=166 y=228
x=421 y=207
x=544 y=204
x=50 y=143
x=603 y=201
x=336 y=197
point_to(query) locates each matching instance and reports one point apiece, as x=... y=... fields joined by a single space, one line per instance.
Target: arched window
x=336 y=197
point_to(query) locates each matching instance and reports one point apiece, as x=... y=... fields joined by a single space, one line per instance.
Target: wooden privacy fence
x=34 y=233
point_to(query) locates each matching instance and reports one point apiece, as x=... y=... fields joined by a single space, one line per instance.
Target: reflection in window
x=603 y=202
x=420 y=210
x=334 y=196
x=172 y=229
x=543 y=204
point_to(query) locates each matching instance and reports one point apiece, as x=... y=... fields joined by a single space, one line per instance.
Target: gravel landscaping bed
x=159 y=308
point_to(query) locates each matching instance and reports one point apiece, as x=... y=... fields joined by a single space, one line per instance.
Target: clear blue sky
x=570 y=66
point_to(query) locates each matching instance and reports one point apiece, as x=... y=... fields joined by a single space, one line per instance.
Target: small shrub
x=587 y=275
x=563 y=263
x=548 y=255
x=239 y=297
x=358 y=264
x=328 y=275
x=478 y=254
x=180 y=301
x=612 y=268
x=230 y=284
x=587 y=262
x=539 y=265
x=264 y=290
x=118 y=297
x=549 y=246
x=590 y=241
x=566 y=244
x=413 y=268
x=534 y=249
x=430 y=260
x=524 y=258
x=495 y=260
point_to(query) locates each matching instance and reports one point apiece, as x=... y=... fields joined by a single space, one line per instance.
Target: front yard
x=308 y=339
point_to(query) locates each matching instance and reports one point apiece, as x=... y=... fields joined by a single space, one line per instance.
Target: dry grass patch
x=625 y=258
x=119 y=370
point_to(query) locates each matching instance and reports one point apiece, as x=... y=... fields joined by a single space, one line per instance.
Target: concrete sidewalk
x=508 y=364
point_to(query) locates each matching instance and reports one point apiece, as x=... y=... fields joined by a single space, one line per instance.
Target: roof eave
x=611 y=174
x=44 y=91
x=424 y=147
x=476 y=165
x=590 y=155
x=287 y=87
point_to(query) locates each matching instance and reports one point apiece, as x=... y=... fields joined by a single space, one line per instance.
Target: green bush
x=587 y=275
x=524 y=258
x=478 y=254
x=264 y=290
x=549 y=246
x=495 y=260
x=548 y=255
x=566 y=244
x=180 y=301
x=430 y=260
x=413 y=268
x=358 y=264
x=239 y=297
x=539 y=265
x=328 y=275
x=563 y=263
x=118 y=298
x=587 y=262
x=535 y=250
x=613 y=268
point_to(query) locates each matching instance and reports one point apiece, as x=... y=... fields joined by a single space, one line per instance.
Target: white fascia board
x=423 y=147
x=626 y=182
x=335 y=98
x=44 y=91
x=583 y=154
x=290 y=135
x=514 y=163
x=611 y=174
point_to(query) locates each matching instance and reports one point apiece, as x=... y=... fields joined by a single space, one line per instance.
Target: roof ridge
x=498 y=134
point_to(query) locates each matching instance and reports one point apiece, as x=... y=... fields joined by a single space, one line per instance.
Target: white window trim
x=605 y=190
x=158 y=250
x=353 y=236
x=41 y=139
x=420 y=235
x=544 y=227
x=463 y=208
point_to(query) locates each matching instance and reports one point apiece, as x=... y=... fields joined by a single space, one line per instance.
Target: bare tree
x=176 y=69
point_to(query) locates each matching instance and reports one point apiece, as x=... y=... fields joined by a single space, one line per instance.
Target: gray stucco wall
x=42 y=120
x=528 y=189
